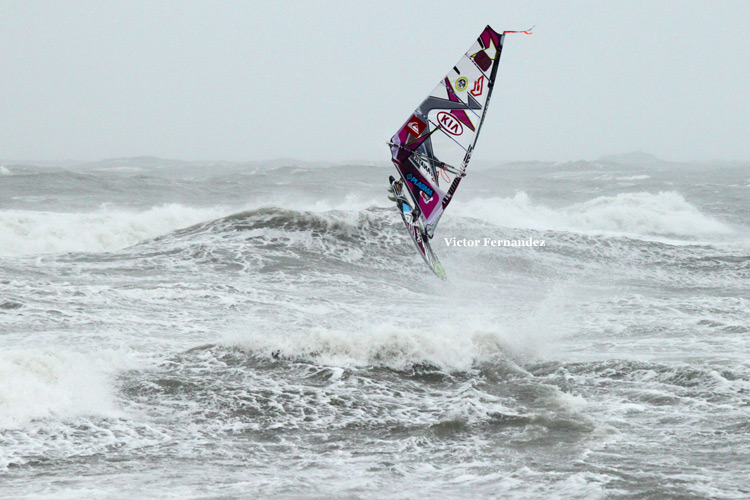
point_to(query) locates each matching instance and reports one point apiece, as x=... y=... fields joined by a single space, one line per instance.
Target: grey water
x=184 y=330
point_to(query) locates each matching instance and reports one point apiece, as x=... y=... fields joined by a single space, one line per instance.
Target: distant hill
x=634 y=157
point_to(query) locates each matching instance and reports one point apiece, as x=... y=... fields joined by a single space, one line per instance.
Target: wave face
x=269 y=330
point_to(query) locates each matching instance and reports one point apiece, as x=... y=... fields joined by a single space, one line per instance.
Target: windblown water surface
x=219 y=330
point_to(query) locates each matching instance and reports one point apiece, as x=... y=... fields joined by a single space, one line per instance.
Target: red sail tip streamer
x=525 y=32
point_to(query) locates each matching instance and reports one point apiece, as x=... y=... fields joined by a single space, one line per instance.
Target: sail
x=433 y=147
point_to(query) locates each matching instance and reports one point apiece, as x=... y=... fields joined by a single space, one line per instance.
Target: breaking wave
x=444 y=342
x=28 y=232
x=386 y=346
x=62 y=384
x=666 y=213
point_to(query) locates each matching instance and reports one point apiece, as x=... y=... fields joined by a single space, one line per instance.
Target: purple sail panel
x=483 y=60
x=429 y=197
x=489 y=35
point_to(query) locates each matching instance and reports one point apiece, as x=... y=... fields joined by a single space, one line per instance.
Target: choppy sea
x=227 y=330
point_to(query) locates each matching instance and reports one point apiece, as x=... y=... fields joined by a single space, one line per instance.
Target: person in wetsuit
x=408 y=212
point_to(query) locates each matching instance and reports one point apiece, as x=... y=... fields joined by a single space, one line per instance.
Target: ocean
x=175 y=329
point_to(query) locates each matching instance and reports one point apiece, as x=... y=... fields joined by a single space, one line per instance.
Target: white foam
x=664 y=213
x=445 y=345
x=349 y=203
x=385 y=345
x=61 y=384
x=442 y=339
x=28 y=232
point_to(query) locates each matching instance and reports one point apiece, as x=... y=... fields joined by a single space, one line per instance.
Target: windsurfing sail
x=433 y=147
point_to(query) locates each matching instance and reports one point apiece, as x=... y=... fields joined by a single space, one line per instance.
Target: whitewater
x=175 y=329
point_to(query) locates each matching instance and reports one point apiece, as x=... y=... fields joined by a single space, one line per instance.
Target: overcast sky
x=331 y=80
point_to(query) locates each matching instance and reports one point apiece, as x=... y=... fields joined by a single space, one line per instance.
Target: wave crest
x=41 y=384
x=387 y=346
x=664 y=213
x=28 y=233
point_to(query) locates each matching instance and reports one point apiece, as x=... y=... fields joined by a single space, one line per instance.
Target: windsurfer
x=406 y=210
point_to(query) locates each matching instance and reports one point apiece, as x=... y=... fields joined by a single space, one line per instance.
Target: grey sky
x=333 y=80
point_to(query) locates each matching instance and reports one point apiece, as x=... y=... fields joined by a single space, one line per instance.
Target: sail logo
x=425 y=198
x=478 y=87
x=420 y=162
x=462 y=83
x=449 y=123
x=420 y=185
x=415 y=126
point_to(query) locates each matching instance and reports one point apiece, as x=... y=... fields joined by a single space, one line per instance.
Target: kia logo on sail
x=449 y=123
